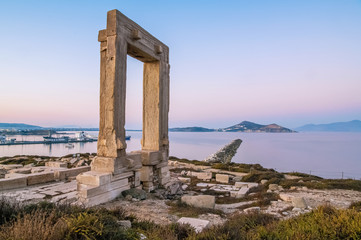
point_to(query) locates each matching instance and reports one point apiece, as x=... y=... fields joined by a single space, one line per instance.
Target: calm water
x=324 y=154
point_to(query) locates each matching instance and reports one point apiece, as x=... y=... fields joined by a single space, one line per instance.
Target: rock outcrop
x=246 y=126
x=225 y=154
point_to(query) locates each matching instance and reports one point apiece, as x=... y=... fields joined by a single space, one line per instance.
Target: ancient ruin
x=114 y=170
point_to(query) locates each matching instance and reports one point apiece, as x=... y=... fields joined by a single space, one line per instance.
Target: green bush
x=322 y=223
x=83 y=226
x=304 y=175
x=356 y=206
x=172 y=231
x=237 y=227
x=8 y=210
x=195 y=162
x=273 y=177
x=183 y=210
x=73 y=222
x=348 y=184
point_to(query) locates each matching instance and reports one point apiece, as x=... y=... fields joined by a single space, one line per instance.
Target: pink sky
x=288 y=63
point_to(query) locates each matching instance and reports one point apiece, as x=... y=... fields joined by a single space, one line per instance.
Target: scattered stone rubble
x=57 y=192
x=197 y=186
x=225 y=154
x=44 y=171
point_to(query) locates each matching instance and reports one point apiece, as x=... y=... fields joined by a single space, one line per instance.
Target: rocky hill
x=246 y=126
x=191 y=129
x=351 y=126
x=18 y=126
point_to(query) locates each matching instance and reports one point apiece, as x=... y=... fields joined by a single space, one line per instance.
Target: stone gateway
x=114 y=170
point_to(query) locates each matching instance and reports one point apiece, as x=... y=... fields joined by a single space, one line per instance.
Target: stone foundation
x=47 y=174
x=96 y=187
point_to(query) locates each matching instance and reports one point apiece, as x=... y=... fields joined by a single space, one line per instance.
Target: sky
x=285 y=62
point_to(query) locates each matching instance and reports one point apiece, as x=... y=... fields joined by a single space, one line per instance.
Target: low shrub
x=83 y=226
x=74 y=222
x=273 y=177
x=304 y=175
x=195 y=162
x=52 y=221
x=323 y=223
x=237 y=227
x=23 y=161
x=172 y=231
x=179 y=170
x=183 y=210
x=261 y=199
x=356 y=206
x=8 y=210
x=348 y=184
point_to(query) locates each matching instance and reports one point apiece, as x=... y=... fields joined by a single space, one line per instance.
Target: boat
x=50 y=139
x=69 y=145
x=5 y=140
x=82 y=137
x=127 y=137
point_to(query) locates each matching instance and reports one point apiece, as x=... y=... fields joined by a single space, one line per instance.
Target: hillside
x=191 y=129
x=351 y=126
x=18 y=126
x=246 y=126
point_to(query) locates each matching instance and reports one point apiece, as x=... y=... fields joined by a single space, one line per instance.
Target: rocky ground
x=210 y=193
x=288 y=203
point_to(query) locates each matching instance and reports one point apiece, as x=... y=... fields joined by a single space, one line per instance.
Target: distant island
x=192 y=129
x=244 y=126
x=351 y=126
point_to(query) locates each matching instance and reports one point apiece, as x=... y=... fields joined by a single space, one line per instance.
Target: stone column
x=113 y=64
x=155 y=142
x=164 y=109
x=151 y=107
x=155 y=106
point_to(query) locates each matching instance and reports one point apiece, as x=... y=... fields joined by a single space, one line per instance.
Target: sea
x=325 y=154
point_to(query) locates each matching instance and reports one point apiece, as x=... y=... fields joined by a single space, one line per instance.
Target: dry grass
x=38 y=225
x=323 y=223
x=163 y=232
x=183 y=210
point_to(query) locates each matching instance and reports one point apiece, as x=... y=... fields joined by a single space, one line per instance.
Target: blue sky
x=288 y=62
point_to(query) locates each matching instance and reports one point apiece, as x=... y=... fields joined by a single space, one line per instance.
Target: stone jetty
x=225 y=154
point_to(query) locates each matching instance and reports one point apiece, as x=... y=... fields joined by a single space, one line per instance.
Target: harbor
x=80 y=137
x=45 y=142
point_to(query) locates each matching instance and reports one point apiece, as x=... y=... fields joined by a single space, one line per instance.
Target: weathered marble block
x=56 y=164
x=222 y=178
x=201 y=201
x=36 y=178
x=11 y=183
